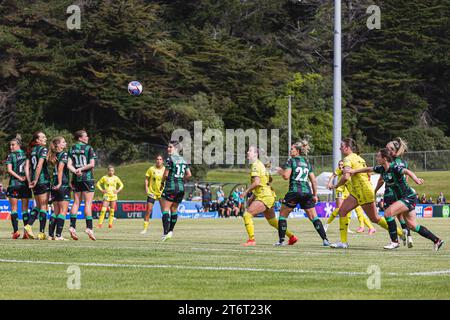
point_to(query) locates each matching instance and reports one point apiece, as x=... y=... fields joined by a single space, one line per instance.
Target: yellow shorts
x=268 y=200
x=364 y=194
x=109 y=197
x=343 y=194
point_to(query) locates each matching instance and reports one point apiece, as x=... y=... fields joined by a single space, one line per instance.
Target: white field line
x=211 y=268
x=172 y=247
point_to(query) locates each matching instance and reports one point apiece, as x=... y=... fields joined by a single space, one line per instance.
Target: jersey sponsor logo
x=428 y=212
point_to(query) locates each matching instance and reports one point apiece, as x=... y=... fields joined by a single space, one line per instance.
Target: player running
x=18 y=186
x=262 y=199
x=397 y=149
x=110 y=185
x=299 y=172
x=175 y=173
x=153 y=188
x=60 y=194
x=81 y=163
x=341 y=194
x=361 y=192
x=394 y=177
x=39 y=181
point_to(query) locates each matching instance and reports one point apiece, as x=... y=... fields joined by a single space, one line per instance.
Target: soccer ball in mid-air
x=135 y=88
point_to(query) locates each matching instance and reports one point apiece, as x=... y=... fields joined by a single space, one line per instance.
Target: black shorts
x=84 y=186
x=41 y=189
x=173 y=196
x=388 y=200
x=19 y=192
x=63 y=194
x=409 y=202
x=306 y=201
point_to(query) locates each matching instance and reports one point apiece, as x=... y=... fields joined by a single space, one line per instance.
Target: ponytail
x=400 y=146
x=33 y=142
x=53 y=150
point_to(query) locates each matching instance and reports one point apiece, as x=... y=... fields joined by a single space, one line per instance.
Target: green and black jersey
x=81 y=155
x=395 y=180
x=17 y=160
x=299 y=179
x=389 y=194
x=177 y=167
x=37 y=153
x=61 y=157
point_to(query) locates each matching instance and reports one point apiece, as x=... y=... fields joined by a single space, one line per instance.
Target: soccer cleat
x=372 y=231
x=73 y=233
x=61 y=239
x=292 y=240
x=438 y=244
x=325 y=227
x=339 y=245
x=143 y=232
x=392 y=246
x=50 y=238
x=163 y=238
x=110 y=226
x=409 y=241
x=16 y=235
x=405 y=239
x=326 y=243
x=42 y=236
x=279 y=244
x=90 y=233
x=29 y=231
x=99 y=226
x=360 y=230
x=249 y=243
x=25 y=236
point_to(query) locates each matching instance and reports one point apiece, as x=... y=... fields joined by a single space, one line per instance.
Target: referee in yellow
x=110 y=185
x=153 y=180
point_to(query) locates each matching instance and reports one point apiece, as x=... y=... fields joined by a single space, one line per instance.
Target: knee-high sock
x=60 y=219
x=146 y=223
x=282 y=226
x=364 y=220
x=52 y=225
x=249 y=226
x=42 y=220
x=34 y=214
x=333 y=215
x=274 y=223
x=89 y=222
x=424 y=232
x=404 y=226
x=111 y=216
x=15 y=221
x=383 y=223
x=392 y=228
x=173 y=220
x=166 y=221
x=25 y=218
x=319 y=228
x=102 y=215
x=73 y=221
x=343 y=228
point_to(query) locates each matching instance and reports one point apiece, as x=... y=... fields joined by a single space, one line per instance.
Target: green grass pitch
x=204 y=260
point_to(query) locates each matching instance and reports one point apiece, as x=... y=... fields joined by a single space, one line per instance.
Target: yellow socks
x=249 y=226
x=360 y=215
x=343 y=228
x=111 y=216
x=146 y=223
x=274 y=223
x=382 y=223
x=333 y=215
x=102 y=215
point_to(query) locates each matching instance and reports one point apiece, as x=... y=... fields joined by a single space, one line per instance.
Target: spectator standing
x=441 y=199
x=2 y=193
x=423 y=199
x=430 y=200
x=220 y=195
x=206 y=197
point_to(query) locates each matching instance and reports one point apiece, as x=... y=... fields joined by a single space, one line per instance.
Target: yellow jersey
x=110 y=184
x=154 y=176
x=360 y=180
x=258 y=169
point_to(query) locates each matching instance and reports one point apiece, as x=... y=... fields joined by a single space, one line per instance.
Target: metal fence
x=438 y=160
